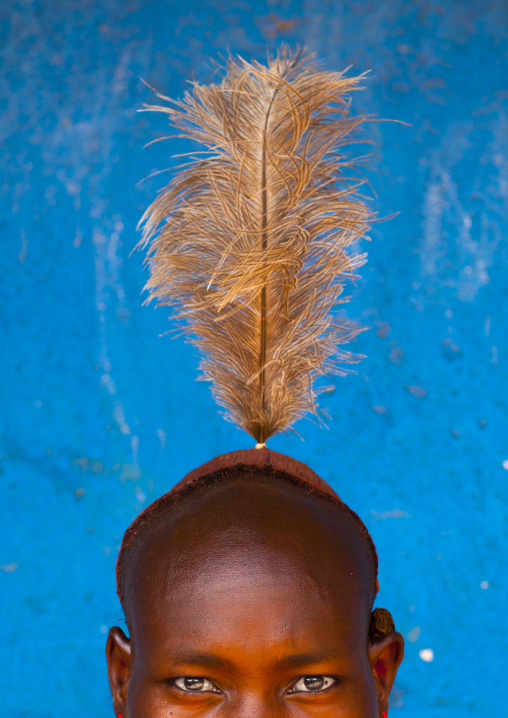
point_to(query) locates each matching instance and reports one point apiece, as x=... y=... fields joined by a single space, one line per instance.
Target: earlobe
x=385 y=656
x=119 y=658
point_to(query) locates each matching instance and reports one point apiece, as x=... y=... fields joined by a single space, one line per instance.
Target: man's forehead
x=249 y=603
x=277 y=520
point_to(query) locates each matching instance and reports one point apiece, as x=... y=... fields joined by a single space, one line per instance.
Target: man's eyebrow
x=202 y=659
x=303 y=659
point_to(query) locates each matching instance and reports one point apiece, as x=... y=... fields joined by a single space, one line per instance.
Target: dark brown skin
x=251 y=602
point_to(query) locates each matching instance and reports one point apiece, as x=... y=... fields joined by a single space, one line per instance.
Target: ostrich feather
x=251 y=242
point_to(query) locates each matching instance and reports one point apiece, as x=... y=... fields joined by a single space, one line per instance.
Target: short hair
x=149 y=519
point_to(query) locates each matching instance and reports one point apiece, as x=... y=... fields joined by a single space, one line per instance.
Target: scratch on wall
x=463 y=214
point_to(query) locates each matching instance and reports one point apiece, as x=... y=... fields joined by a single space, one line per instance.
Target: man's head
x=250 y=597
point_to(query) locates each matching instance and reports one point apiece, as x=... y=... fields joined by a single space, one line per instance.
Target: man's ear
x=119 y=657
x=385 y=656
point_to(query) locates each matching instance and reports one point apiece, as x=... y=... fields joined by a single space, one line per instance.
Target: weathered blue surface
x=100 y=415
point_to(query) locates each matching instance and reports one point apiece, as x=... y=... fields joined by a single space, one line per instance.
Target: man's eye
x=190 y=684
x=312 y=684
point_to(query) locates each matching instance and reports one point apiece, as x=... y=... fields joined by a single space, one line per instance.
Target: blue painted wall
x=100 y=415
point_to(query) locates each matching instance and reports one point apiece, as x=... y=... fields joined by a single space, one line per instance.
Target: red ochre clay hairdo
x=251 y=244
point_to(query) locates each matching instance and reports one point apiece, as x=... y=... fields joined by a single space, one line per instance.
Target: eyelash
x=191 y=692
x=330 y=679
x=331 y=682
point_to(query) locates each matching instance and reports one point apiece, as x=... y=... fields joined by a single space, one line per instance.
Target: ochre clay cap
x=260 y=458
